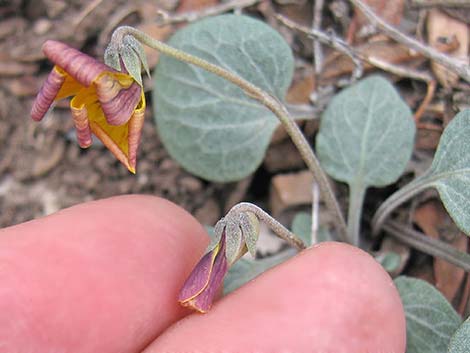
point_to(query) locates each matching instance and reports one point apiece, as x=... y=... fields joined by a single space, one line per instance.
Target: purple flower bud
x=203 y=283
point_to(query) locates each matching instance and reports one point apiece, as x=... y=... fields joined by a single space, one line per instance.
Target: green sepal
x=111 y=57
x=131 y=61
x=139 y=49
x=249 y=225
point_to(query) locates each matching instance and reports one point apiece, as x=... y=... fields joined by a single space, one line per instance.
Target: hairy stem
x=428 y=245
x=274 y=225
x=264 y=98
x=395 y=200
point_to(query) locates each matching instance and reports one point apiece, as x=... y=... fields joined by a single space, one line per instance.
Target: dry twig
x=355 y=55
x=329 y=39
x=317 y=49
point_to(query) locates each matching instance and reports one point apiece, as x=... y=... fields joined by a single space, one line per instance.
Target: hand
x=104 y=277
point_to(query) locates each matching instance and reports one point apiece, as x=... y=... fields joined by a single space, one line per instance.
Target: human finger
x=99 y=277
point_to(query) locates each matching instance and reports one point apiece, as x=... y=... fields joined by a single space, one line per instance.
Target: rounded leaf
x=366 y=134
x=209 y=125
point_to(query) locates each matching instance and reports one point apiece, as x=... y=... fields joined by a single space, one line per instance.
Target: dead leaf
x=303 y=85
x=442 y=31
x=433 y=219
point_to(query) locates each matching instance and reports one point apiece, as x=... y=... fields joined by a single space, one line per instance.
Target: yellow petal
x=70 y=87
x=115 y=138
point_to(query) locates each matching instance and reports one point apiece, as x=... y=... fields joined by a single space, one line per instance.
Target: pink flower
x=203 y=283
x=107 y=103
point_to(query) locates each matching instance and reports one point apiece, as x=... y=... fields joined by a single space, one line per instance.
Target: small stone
x=190 y=184
x=283 y=156
x=289 y=190
x=42 y=26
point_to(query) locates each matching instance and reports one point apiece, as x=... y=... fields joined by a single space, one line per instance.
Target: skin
x=104 y=277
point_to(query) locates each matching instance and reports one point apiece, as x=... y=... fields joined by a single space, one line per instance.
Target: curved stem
x=281 y=231
x=356 y=199
x=395 y=200
x=264 y=98
x=428 y=245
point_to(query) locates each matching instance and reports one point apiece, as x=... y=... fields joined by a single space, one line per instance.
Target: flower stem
x=264 y=98
x=281 y=231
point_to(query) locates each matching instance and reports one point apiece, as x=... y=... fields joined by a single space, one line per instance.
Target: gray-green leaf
x=460 y=341
x=208 y=124
x=131 y=59
x=366 y=134
x=430 y=319
x=302 y=226
x=450 y=170
x=245 y=270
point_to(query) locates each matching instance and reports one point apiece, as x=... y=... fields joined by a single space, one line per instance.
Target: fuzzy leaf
x=209 y=125
x=389 y=260
x=450 y=170
x=249 y=225
x=245 y=270
x=366 y=134
x=131 y=61
x=111 y=57
x=302 y=227
x=139 y=50
x=460 y=341
x=430 y=319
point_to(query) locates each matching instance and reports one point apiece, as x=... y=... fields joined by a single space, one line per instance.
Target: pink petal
x=82 y=125
x=204 y=282
x=203 y=301
x=119 y=106
x=198 y=279
x=47 y=94
x=80 y=66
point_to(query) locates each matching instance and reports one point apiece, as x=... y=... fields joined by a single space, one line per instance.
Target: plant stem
x=396 y=199
x=281 y=231
x=428 y=245
x=263 y=97
x=356 y=199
